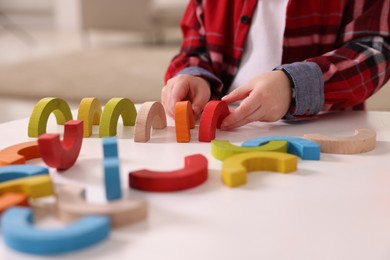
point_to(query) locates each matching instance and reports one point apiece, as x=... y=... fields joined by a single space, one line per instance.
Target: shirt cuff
x=308 y=87
x=215 y=83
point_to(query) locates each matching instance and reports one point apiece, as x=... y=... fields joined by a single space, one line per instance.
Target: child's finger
x=242 y=114
x=199 y=102
x=236 y=95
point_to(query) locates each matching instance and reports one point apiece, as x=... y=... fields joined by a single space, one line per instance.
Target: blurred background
x=81 y=48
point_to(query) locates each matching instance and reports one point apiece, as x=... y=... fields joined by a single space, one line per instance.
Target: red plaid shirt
x=348 y=40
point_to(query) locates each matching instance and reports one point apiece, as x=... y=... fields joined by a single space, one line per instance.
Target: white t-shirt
x=263 y=48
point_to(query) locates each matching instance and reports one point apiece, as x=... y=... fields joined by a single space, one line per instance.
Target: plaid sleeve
x=193 y=57
x=358 y=68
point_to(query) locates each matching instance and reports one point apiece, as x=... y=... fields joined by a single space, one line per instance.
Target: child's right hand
x=186 y=87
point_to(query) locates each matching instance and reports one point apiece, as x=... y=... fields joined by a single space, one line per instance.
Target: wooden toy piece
x=114 y=108
x=20 y=233
x=364 y=140
x=235 y=168
x=19 y=153
x=9 y=200
x=89 y=111
x=34 y=186
x=12 y=172
x=193 y=174
x=184 y=121
x=304 y=148
x=41 y=112
x=112 y=182
x=62 y=155
x=151 y=114
x=71 y=205
x=213 y=114
x=222 y=149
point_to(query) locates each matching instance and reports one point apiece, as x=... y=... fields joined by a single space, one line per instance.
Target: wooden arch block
x=151 y=114
x=41 y=112
x=112 y=181
x=19 y=153
x=20 y=233
x=235 y=168
x=184 y=121
x=34 y=186
x=194 y=173
x=364 y=140
x=9 y=200
x=62 y=155
x=222 y=149
x=12 y=172
x=304 y=148
x=114 y=108
x=213 y=114
x=89 y=111
x=71 y=205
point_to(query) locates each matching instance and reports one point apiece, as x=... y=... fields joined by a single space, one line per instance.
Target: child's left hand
x=266 y=98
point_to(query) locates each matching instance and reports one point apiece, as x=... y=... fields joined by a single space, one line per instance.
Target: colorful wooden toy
x=20 y=233
x=89 y=111
x=41 y=112
x=19 y=153
x=184 y=121
x=12 y=172
x=71 y=205
x=364 y=140
x=151 y=114
x=114 y=108
x=213 y=114
x=194 y=173
x=112 y=182
x=235 y=168
x=34 y=186
x=304 y=148
x=62 y=155
x=9 y=200
x=222 y=149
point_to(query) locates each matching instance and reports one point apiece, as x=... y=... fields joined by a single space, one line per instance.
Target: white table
x=335 y=208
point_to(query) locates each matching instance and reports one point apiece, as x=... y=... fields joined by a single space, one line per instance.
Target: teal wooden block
x=19 y=233
x=304 y=148
x=112 y=182
x=16 y=171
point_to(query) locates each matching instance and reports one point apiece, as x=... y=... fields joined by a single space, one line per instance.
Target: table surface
x=335 y=208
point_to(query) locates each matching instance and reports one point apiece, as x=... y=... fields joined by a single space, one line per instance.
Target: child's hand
x=265 y=98
x=186 y=87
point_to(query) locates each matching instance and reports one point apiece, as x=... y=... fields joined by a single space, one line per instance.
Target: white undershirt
x=263 y=48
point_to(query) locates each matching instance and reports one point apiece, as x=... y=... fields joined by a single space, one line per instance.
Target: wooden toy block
x=235 y=168
x=12 y=172
x=151 y=114
x=41 y=112
x=9 y=200
x=184 y=121
x=19 y=153
x=114 y=108
x=304 y=148
x=112 y=182
x=20 y=234
x=62 y=155
x=364 y=140
x=71 y=205
x=34 y=186
x=110 y=147
x=213 y=114
x=194 y=173
x=89 y=111
x=222 y=149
